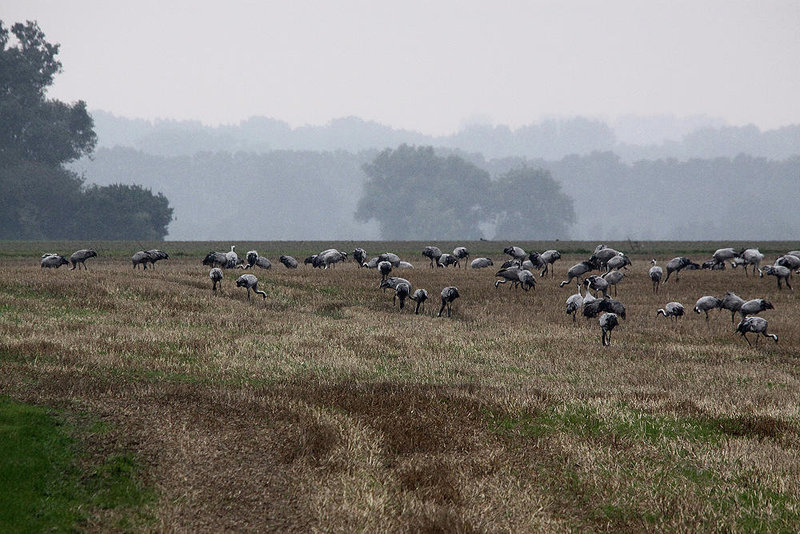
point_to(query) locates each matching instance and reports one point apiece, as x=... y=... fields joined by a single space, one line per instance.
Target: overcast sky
x=426 y=65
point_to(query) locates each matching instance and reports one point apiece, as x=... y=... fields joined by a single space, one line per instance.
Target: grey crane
x=781 y=273
x=526 y=279
x=432 y=253
x=232 y=258
x=461 y=254
x=401 y=293
x=392 y=282
x=597 y=283
x=707 y=303
x=720 y=256
x=449 y=294
x=613 y=278
x=253 y=259
x=481 y=263
x=156 y=255
x=216 y=277
x=250 y=282
x=404 y=265
x=140 y=258
x=391 y=257
x=676 y=265
x=212 y=259
x=516 y=253
x=595 y=307
x=731 y=302
x=509 y=274
x=620 y=261
x=574 y=303
x=755 y=306
x=602 y=254
x=750 y=256
x=419 y=296
x=311 y=260
x=673 y=310
x=788 y=260
x=757 y=325
x=655 y=274
x=359 y=256
x=578 y=270
x=447 y=259
x=330 y=257
x=52 y=261
x=372 y=264
x=608 y=322
x=535 y=262
x=288 y=261
x=79 y=257
x=549 y=257
x=385 y=268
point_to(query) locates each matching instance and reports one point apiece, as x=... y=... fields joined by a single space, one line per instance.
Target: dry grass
x=325 y=408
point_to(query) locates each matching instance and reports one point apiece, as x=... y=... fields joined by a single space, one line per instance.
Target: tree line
x=42 y=199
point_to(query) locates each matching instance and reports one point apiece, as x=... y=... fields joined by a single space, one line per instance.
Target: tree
x=41 y=199
x=415 y=194
x=529 y=204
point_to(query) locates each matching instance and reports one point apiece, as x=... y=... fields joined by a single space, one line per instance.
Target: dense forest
x=68 y=173
x=42 y=199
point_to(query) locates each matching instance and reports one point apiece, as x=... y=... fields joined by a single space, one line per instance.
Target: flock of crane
x=518 y=271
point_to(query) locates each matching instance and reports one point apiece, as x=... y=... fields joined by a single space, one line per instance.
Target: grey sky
x=428 y=66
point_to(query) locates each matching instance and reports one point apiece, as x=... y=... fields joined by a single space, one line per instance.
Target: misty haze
x=262 y=179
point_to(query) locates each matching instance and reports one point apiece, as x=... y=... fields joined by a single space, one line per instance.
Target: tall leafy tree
x=415 y=194
x=529 y=204
x=41 y=199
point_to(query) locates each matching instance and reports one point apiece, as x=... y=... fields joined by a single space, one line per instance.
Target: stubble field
x=324 y=407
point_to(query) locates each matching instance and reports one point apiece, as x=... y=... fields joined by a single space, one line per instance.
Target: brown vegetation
x=326 y=408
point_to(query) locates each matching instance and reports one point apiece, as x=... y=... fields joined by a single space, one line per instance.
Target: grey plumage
x=676 y=265
x=447 y=259
x=757 y=325
x=392 y=282
x=754 y=306
x=79 y=257
x=597 y=283
x=620 y=261
x=481 y=263
x=250 y=282
x=595 y=307
x=449 y=294
x=549 y=257
x=731 y=302
x=156 y=255
x=232 y=258
x=508 y=274
x=52 y=261
x=401 y=293
x=608 y=322
x=673 y=310
x=750 y=256
x=419 y=296
x=360 y=256
x=432 y=253
x=212 y=259
x=404 y=265
x=288 y=261
x=516 y=253
x=574 y=303
x=578 y=270
x=602 y=255
x=613 y=278
x=461 y=254
x=216 y=277
x=655 y=273
x=253 y=259
x=706 y=304
x=526 y=279
x=392 y=258
x=781 y=273
x=385 y=268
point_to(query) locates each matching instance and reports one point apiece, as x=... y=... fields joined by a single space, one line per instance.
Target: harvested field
x=324 y=407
